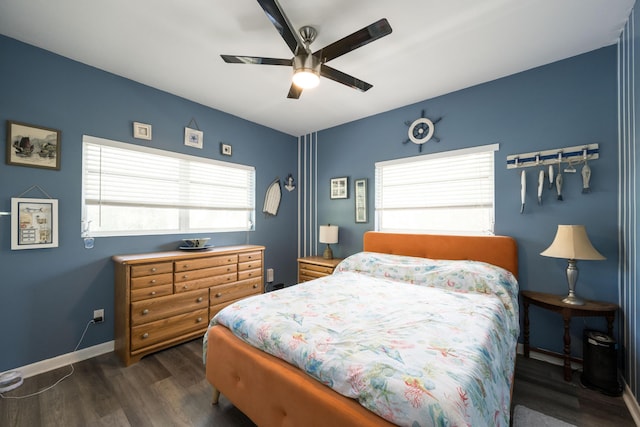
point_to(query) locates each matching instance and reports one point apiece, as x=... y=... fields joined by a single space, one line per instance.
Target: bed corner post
x=215 y=396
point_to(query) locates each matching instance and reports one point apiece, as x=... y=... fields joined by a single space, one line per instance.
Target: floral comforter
x=419 y=342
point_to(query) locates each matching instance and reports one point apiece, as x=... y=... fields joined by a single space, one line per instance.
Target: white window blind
x=130 y=189
x=443 y=193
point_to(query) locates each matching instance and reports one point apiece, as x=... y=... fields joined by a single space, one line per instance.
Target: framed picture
x=34 y=223
x=193 y=137
x=360 y=196
x=339 y=188
x=225 y=149
x=34 y=146
x=141 y=131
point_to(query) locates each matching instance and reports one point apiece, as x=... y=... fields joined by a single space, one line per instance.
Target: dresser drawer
x=198 y=263
x=149 y=269
x=154 y=280
x=165 y=329
x=250 y=265
x=250 y=256
x=151 y=292
x=205 y=282
x=156 y=308
x=184 y=276
x=222 y=293
x=250 y=274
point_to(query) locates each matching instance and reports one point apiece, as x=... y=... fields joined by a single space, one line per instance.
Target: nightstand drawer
x=313 y=267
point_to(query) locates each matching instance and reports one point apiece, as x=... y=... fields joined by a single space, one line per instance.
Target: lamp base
x=328 y=253
x=573 y=300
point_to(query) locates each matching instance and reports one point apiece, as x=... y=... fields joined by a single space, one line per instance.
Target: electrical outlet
x=98 y=315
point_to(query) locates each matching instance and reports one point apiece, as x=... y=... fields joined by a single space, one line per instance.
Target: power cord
x=61 y=379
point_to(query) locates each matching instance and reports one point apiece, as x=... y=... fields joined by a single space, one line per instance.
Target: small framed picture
x=141 y=131
x=225 y=149
x=33 y=146
x=193 y=137
x=339 y=188
x=34 y=223
x=360 y=196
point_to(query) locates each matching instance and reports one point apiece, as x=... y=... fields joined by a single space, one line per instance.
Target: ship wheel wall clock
x=422 y=130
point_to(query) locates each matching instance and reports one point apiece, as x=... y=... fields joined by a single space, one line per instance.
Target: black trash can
x=600 y=366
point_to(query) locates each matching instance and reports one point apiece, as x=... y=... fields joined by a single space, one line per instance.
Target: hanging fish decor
x=523 y=189
x=540 y=185
x=586 y=177
x=559 y=183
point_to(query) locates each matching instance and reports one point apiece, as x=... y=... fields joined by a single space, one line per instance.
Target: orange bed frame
x=274 y=393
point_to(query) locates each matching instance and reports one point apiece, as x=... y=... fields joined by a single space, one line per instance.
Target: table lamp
x=328 y=235
x=571 y=242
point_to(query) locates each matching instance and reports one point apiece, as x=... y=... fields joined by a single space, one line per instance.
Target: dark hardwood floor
x=169 y=389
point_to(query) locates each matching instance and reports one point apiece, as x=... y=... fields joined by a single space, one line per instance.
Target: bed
x=459 y=373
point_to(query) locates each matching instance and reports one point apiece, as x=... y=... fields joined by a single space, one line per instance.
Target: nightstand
x=567 y=311
x=312 y=267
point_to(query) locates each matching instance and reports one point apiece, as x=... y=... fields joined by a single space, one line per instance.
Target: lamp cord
x=61 y=379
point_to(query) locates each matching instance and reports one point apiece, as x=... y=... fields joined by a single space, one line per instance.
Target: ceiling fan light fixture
x=306 y=71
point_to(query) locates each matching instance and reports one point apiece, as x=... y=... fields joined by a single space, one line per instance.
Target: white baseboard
x=64 y=359
x=627 y=395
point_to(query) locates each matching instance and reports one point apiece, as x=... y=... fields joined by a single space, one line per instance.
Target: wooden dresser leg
x=215 y=397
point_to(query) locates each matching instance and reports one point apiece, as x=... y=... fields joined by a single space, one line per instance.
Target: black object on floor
x=600 y=363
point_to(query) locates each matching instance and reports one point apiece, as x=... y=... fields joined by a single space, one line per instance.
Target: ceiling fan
x=309 y=66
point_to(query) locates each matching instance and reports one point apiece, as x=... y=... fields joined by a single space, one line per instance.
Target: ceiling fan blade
x=294 y=92
x=345 y=79
x=353 y=41
x=282 y=24
x=235 y=59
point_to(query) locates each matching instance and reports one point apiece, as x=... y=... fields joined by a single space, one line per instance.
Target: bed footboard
x=273 y=393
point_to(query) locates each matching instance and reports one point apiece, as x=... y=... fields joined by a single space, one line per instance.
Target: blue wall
x=48 y=295
x=568 y=103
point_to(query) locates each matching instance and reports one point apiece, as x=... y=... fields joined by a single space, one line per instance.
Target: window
x=445 y=193
x=133 y=190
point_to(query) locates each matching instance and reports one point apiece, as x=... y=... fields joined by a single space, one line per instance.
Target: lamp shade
x=328 y=234
x=572 y=242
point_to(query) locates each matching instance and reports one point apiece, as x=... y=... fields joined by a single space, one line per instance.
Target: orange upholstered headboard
x=497 y=250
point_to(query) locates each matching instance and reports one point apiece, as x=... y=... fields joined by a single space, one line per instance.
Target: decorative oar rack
x=571 y=155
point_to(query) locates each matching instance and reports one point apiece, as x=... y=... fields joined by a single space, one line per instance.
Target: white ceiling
x=436 y=47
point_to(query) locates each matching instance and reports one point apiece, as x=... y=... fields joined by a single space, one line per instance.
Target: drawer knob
x=218 y=295
x=200 y=299
x=199 y=319
x=145 y=335
x=153 y=292
x=153 y=270
x=249 y=266
x=145 y=311
x=153 y=281
x=255 y=286
x=186 y=276
x=185 y=287
x=186 y=266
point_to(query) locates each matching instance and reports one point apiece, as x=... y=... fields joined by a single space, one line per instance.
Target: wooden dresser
x=165 y=298
x=312 y=267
